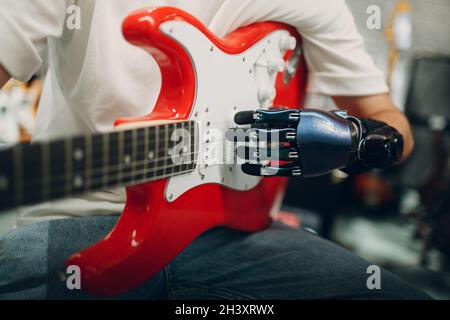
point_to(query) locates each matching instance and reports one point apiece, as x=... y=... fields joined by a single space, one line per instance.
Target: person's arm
x=25 y=27
x=372 y=134
x=381 y=108
x=4 y=76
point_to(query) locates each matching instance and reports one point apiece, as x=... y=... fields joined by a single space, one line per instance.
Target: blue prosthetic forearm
x=316 y=142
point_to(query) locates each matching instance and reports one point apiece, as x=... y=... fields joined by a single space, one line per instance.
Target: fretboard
x=39 y=172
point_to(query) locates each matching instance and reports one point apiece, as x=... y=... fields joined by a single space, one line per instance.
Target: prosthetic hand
x=308 y=143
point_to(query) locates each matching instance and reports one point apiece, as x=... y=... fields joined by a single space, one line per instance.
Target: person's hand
x=309 y=142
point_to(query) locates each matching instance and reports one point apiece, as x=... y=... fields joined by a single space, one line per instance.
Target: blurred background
x=399 y=219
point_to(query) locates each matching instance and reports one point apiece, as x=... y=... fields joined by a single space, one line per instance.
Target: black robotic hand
x=309 y=142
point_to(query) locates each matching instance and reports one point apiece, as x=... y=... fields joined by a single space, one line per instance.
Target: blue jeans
x=279 y=263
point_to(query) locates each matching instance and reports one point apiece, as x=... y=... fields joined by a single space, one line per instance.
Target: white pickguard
x=226 y=84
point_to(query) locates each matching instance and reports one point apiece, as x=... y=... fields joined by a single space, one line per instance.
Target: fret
x=195 y=140
x=57 y=169
x=188 y=161
x=192 y=150
x=193 y=146
x=187 y=151
x=127 y=157
x=120 y=158
x=88 y=164
x=79 y=164
x=7 y=181
x=180 y=168
x=105 y=160
x=155 y=172
x=69 y=167
x=32 y=173
x=169 y=167
x=99 y=148
x=166 y=154
x=113 y=159
x=141 y=151
x=147 y=156
x=160 y=153
x=187 y=147
x=134 y=159
x=152 y=152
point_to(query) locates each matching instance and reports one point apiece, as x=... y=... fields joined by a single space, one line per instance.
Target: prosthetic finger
x=256 y=154
x=275 y=116
x=270 y=171
x=271 y=136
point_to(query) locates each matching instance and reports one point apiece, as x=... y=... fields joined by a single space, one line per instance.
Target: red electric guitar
x=205 y=82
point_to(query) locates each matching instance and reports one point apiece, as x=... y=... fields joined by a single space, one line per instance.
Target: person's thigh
x=279 y=263
x=32 y=260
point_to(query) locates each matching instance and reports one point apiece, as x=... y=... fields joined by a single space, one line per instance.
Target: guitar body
x=207 y=80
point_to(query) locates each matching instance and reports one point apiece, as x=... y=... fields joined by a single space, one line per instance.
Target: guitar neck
x=34 y=173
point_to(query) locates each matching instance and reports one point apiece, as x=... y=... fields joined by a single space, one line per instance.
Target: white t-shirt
x=94 y=76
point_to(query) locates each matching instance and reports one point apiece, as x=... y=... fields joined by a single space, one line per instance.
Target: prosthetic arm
x=309 y=142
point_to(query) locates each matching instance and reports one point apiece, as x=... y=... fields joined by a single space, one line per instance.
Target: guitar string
x=114 y=150
x=150 y=135
x=75 y=190
x=127 y=169
x=141 y=143
x=149 y=163
x=129 y=141
x=127 y=175
x=94 y=182
x=155 y=158
x=132 y=166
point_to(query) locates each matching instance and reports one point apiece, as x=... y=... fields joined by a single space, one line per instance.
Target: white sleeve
x=25 y=26
x=337 y=58
x=338 y=62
